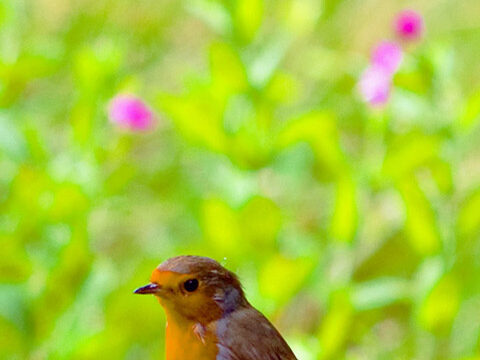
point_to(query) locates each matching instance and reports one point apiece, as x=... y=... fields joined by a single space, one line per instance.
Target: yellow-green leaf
x=469 y=215
x=441 y=305
x=280 y=277
x=420 y=225
x=345 y=215
x=261 y=220
x=319 y=130
x=335 y=325
x=221 y=227
x=409 y=153
x=227 y=70
x=248 y=15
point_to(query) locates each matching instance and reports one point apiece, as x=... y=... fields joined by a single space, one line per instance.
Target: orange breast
x=184 y=343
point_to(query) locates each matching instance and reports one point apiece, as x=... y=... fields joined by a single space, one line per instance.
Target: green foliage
x=357 y=231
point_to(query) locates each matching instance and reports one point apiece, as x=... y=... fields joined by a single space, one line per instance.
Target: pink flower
x=130 y=112
x=387 y=56
x=374 y=85
x=409 y=25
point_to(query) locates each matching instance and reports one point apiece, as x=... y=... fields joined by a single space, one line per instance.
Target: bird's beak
x=148 y=289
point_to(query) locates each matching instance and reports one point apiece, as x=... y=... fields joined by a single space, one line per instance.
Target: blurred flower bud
x=374 y=85
x=131 y=113
x=387 y=56
x=409 y=25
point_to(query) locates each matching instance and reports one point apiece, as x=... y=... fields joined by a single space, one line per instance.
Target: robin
x=208 y=316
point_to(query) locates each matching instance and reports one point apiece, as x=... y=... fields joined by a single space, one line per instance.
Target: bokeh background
x=355 y=229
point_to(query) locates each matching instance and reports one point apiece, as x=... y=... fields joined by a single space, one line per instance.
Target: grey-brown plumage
x=247 y=335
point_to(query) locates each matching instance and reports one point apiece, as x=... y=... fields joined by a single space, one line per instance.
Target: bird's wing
x=245 y=334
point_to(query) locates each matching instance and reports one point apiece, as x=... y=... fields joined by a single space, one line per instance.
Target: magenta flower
x=130 y=112
x=387 y=56
x=409 y=25
x=374 y=85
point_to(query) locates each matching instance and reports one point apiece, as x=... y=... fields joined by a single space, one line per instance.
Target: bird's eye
x=191 y=285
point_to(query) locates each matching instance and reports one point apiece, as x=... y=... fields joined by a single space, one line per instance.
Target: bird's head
x=195 y=288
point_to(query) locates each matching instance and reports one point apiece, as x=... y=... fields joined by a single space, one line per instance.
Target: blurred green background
x=357 y=231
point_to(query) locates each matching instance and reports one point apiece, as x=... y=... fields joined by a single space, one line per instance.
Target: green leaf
x=465 y=332
x=409 y=153
x=81 y=118
x=197 y=119
x=441 y=305
x=415 y=81
x=70 y=201
x=282 y=88
x=12 y=142
x=93 y=67
x=420 y=225
x=345 y=215
x=442 y=175
x=468 y=222
x=264 y=62
x=15 y=77
x=221 y=227
x=379 y=293
x=3 y=13
x=248 y=16
x=260 y=220
x=227 y=71
x=471 y=111
x=212 y=13
x=280 y=278
x=335 y=325
x=84 y=317
x=300 y=16
x=239 y=111
x=13 y=305
x=64 y=281
x=15 y=265
x=319 y=130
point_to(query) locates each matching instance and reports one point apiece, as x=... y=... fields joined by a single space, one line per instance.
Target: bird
x=208 y=316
